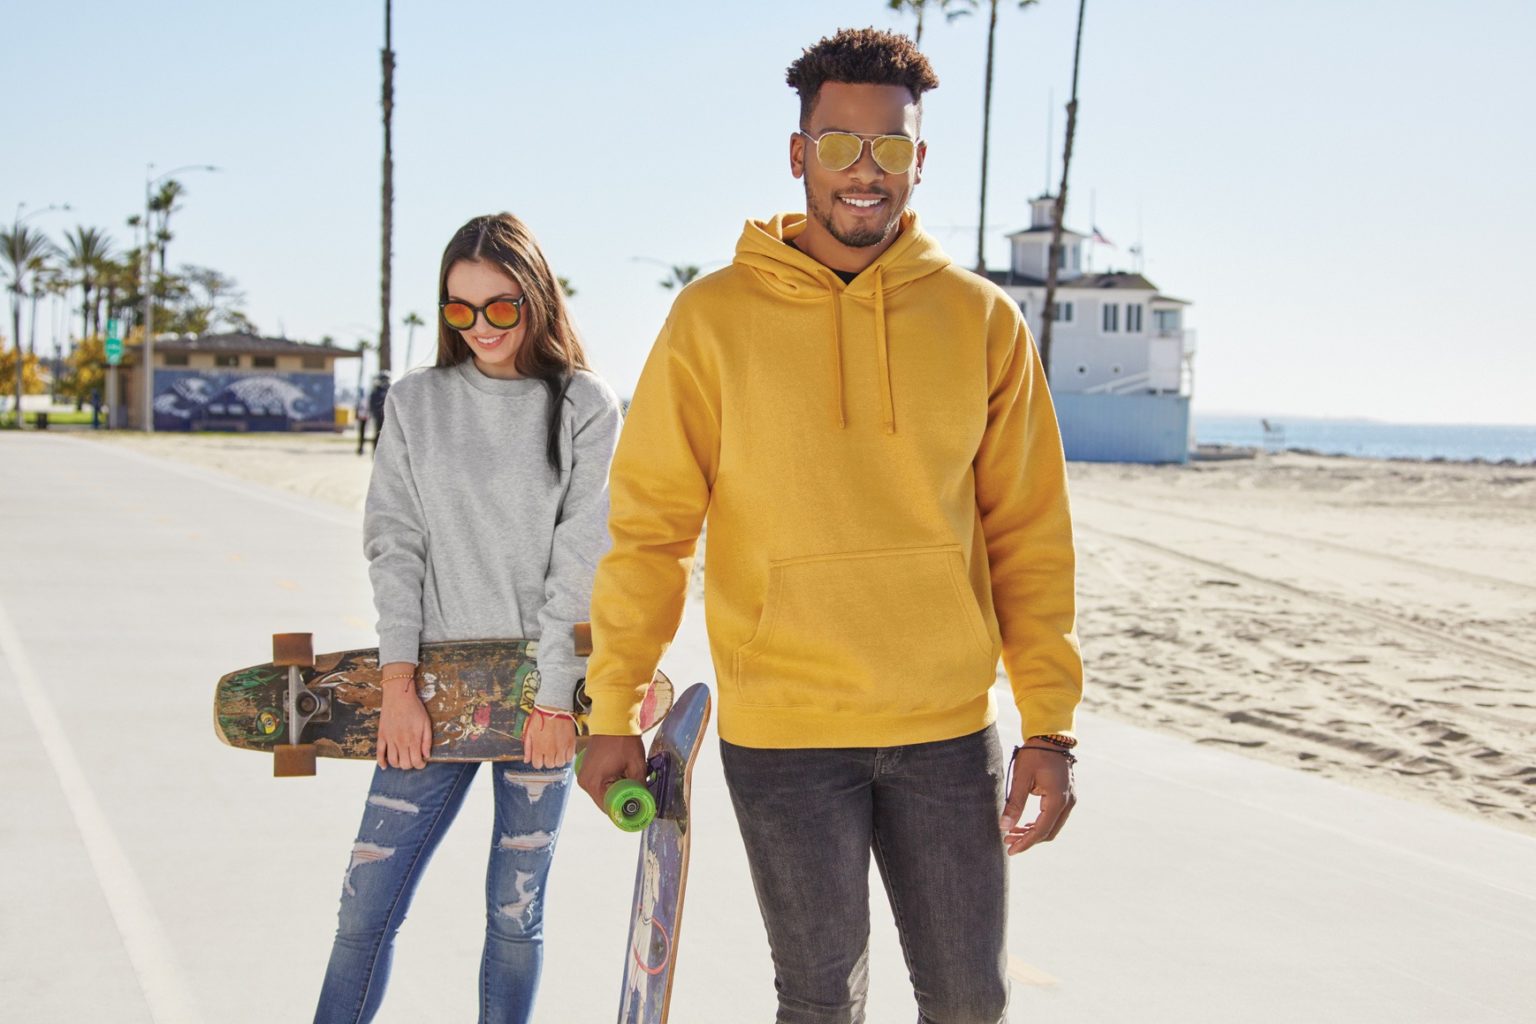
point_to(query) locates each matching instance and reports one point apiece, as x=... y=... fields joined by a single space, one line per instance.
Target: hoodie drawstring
x=883 y=353
x=837 y=354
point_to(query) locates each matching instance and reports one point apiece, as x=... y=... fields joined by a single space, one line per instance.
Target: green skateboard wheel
x=629 y=805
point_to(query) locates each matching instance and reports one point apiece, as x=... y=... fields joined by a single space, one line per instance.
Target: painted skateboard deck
x=650 y=958
x=479 y=694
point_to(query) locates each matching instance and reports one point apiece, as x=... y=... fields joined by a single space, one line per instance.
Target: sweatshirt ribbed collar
x=495 y=385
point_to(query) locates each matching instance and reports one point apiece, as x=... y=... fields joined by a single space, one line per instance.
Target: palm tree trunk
x=1048 y=315
x=388 y=198
x=986 y=138
x=917 y=38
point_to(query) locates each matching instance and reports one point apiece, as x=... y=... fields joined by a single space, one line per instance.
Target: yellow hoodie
x=885 y=494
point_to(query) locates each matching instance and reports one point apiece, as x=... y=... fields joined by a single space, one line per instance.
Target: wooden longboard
x=661 y=877
x=479 y=694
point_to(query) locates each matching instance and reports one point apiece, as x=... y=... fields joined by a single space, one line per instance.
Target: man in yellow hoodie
x=866 y=430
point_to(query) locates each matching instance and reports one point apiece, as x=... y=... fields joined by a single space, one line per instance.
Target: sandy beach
x=1370 y=621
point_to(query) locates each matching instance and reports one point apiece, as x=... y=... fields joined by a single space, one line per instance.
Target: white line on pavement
x=166 y=991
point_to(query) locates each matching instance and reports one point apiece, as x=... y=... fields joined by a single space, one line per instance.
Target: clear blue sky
x=1341 y=187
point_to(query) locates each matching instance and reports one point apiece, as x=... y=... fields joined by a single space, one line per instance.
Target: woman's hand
x=405 y=729
x=549 y=740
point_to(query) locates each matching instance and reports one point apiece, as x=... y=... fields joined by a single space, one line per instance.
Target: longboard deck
x=478 y=693
x=661 y=876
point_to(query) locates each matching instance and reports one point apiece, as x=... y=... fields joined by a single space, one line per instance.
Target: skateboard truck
x=301 y=705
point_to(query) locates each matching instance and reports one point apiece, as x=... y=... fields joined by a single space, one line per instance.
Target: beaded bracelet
x=398 y=675
x=1071 y=757
x=1056 y=740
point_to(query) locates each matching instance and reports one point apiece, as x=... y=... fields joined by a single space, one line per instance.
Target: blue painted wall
x=1124 y=428
x=223 y=400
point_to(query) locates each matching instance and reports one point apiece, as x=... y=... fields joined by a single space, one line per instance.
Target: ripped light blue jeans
x=407 y=813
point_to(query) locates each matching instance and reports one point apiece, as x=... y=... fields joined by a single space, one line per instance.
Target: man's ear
x=797 y=155
x=917 y=173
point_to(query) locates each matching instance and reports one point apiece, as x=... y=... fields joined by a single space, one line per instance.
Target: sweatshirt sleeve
x=580 y=539
x=1021 y=492
x=661 y=481
x=395 y=541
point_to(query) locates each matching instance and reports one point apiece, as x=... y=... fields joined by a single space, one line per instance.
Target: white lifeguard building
x=1121 y=362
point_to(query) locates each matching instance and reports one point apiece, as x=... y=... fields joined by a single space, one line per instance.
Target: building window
x=177 y=359
x=1077 y=257
x=1063 y=313
x=1165 y=319
x=1111 y=318
x=223 y=360
x=1133 y=318
x=264 y=362
x=314 y=362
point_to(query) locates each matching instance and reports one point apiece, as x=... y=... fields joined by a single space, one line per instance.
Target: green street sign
x=114 y=341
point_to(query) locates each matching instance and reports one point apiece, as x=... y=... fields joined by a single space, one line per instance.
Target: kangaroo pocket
x=887 y=631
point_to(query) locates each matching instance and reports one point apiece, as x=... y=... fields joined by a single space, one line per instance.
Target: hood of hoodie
x=796 y=276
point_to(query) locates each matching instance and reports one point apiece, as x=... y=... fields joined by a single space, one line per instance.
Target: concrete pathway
x=149 y=874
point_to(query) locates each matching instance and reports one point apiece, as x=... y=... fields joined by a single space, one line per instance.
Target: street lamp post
x=148 y=350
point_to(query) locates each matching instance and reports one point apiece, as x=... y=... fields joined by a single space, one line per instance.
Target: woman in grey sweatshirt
x=486 y=517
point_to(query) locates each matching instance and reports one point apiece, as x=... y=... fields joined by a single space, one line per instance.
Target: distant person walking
x=511 y=425
x=375 y=411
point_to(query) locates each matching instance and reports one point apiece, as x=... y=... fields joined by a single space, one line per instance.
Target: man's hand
x=609 y=759
x=549 y=741
x=1047 y=775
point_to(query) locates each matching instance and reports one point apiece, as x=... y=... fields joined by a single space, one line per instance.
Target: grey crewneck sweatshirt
x=468 y=531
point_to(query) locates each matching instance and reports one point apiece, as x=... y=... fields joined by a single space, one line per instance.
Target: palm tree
x=1048 y=314
x=986 y=133
x=89 y=250
x=679 y=276
x=41 y=268
x=164 y=203
x=388 y=190
x=918 y=7
x=20 y=250
x=411 y=321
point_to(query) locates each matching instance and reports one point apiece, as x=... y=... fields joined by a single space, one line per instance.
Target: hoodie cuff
x=399 y=645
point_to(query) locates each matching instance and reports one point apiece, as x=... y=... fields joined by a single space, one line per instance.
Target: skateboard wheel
x=629 y=805
x=293 y=649
x=293 y=760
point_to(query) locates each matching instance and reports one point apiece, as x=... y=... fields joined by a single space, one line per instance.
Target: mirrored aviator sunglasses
x=838 y=151
x=502 y=314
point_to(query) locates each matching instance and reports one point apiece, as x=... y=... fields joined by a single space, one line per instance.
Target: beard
x=857 y=239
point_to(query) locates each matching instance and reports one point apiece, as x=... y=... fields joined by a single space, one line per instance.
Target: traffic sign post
x=114 y=351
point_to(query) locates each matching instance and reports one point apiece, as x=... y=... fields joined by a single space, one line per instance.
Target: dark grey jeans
x=928 y=811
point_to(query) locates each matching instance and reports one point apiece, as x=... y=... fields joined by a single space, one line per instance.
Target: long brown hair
x=551 y=350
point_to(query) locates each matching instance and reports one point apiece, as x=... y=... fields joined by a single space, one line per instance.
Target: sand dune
x=1372 y=621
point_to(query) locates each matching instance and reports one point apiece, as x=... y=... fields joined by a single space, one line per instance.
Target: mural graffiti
x=206 y=400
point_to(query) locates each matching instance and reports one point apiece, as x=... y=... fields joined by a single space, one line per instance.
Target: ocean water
x=1373 y=439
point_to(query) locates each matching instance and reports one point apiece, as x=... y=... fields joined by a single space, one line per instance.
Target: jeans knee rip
x=520 y=909
x=391 y=803
x=534 y=783
x=365 y=853
x=526 y=842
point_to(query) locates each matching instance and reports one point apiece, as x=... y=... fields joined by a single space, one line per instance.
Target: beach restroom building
x=1122 y=361
x=236 y=382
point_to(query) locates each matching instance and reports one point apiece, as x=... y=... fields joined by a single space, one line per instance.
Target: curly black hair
x=860 y=56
